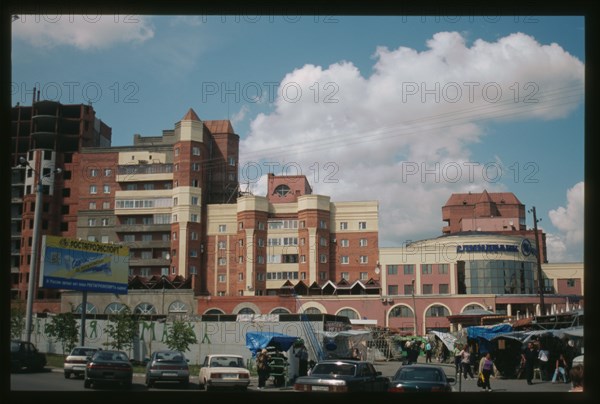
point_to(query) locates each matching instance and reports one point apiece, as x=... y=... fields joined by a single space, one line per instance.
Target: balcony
x=150 y=262
x=142 y=228
x=144 y=245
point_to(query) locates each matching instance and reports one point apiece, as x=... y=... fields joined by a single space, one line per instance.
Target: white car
x=578 y=360
x=223 y=371
x=76 y=360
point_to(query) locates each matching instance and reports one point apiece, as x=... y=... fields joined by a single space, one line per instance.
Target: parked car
x=108 y=367
x=341 y=376
x=76 y=360
x=24 y=354
x=420 y=378
x=167 y=366
x=224 y=371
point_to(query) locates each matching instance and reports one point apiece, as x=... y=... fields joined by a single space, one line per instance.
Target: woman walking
x=465 y=361
x=487 y=368
x=561 y=367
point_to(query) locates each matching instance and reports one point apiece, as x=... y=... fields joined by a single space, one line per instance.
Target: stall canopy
x=489 y=332
x=255 y=341
x=446 y=338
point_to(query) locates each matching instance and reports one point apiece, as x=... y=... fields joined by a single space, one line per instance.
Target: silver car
x=76 y=360
x=169 y=367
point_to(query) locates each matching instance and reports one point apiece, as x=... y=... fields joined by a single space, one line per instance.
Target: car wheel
x=67 y=375
x=201 y=385
x=87 y=384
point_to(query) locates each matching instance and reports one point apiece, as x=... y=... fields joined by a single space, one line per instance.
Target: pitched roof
x=219 y=126
x=472 y=198
x=191 y=116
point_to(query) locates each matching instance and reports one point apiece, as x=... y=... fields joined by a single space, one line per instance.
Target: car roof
x=226 y=354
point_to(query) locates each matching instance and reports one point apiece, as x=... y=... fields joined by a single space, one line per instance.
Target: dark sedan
x=167 y=366
x=108 y=367
x=24 y=354
x=341 y=376
x=420 y=378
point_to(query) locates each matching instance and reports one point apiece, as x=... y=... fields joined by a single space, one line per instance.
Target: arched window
x=351 y=314
x=246 y=310
x=144 y=308
x=282 y=190
x=472 y=307
x=214 y=311
x=401 y=311
x=89 y=309
x=312 y=310
x=177 y=307
x=114 y=308
x=280 y=310
x=437 y=311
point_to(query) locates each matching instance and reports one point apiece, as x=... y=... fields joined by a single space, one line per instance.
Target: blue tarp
x=255 y=341
x=487 y=333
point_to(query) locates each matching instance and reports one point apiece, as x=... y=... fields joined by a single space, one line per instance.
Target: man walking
x=529 y=356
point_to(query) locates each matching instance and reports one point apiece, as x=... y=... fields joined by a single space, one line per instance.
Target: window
x=194 y=200
x=104 y=221
x=195 y=166
x=323 y=258
x=346 y=275
x=427 y=289
x=303 y=258
x=240 y=225
x=91 y=222
x=195 y=183
x=282 y=190
x=222 y=261
x=409 y=269
x=221 y=278
x=322 y=224
x=107 y=172
x=105 y=205
x=106 y=189
x=363 y=242
x=343 y=225
x=408 y=289
x=362 y=225
x=322 y=276
x=344 y=243
x=437 y=311
x=443 y=268
x=93 y=172
x=426 y=269
x=193 y=253
x=344 y=259
x=261 y=225
x=129 y=238
x=222 y=245
x=364 y=276
x=193 y=270
x=240 y=276
x=92 y=205
x=401 y=311
x=146 y=237
x=174 y=235
x=364 y=259
x=93 y=189
x=222 y=228
x=392 y=269
x=104 y=239
x=194 y=217
x=91 y=238
x=194 y=235
x=392 y=290
x=571 y=283
x=177 y=151
x=146 y=255
x=323 y=241
x=444 y=290
x=231 y=161
x=195 y=151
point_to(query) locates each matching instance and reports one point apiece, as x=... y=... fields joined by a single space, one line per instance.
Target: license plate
x=78 y=367
x=320 y=388
x=230 y=376
x=169 y=374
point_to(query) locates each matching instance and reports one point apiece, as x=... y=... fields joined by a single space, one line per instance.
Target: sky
x=401 y=110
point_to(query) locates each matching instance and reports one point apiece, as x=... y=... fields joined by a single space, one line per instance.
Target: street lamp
x=37 y=218
x=414 y=305
x=539 y=261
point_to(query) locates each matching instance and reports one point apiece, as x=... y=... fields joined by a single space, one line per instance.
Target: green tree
x=180 y=336
x=17 y=322
x=122 y=328
x=64 y=328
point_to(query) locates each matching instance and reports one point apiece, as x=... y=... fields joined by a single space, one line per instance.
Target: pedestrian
x=302 y=355
x=356 y=354
x=456 y=351
x=561 y=368
x=544 y=361
x=487 y=368
x=528 y=358
x=262 y=367
x=576 y=375
x=428 y=352
x=465 y=360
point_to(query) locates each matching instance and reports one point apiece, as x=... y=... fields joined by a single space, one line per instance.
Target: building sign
x=469 y=248
x=83 y=265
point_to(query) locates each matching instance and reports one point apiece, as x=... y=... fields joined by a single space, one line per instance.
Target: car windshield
x=426 y=375
x=111 y=356
x=226 y=361
x=343 y=369
x=169 y=357
x=83 y=351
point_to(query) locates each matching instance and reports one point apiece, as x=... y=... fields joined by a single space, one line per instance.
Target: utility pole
x=539 y=262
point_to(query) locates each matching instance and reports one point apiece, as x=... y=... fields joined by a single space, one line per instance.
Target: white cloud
x=402 y=136
x=82 y=31
x=569 y=221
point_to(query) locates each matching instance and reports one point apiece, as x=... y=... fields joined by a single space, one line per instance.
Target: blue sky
x=403 y=110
